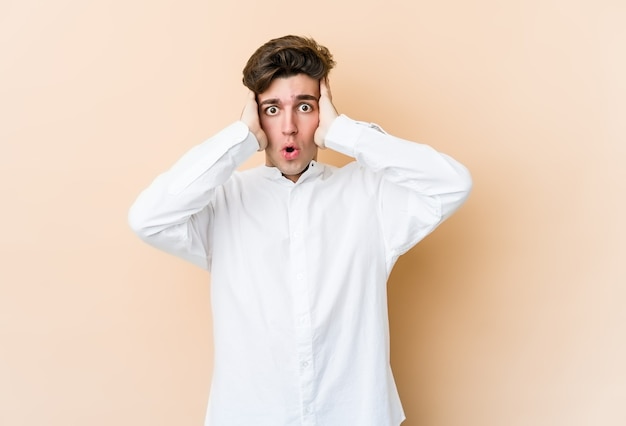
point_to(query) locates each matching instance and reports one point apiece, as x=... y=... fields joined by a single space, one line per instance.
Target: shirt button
x=304 y=364
x=300 y=276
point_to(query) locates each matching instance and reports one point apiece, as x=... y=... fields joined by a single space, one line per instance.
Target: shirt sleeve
x=174 y=213
x=418 y=187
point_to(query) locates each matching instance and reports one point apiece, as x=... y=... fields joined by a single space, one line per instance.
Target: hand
x=328 y=113
x=250 y=116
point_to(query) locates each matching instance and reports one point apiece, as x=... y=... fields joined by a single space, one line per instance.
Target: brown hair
x=284 y=57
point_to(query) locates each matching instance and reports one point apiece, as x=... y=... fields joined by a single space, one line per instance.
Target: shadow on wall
x=446 y=308
x=433 y=299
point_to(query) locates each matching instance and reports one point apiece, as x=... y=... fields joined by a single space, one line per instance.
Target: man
x=299 y=252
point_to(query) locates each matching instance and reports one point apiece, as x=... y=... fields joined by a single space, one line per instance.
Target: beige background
x=512 y=313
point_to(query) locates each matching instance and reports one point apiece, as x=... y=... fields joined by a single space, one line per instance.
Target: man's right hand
x=250 y=117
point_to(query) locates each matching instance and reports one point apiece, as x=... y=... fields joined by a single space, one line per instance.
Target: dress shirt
x=299 y=270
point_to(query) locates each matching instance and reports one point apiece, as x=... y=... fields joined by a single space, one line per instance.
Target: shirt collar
x=315 y=169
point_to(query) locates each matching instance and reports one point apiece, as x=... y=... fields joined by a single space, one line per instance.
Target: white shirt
x=299 y=270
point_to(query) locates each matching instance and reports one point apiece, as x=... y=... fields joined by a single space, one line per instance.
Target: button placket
x=297 y=213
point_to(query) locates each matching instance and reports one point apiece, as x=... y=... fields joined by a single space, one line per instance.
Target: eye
x=305 y=108
x=271 y=110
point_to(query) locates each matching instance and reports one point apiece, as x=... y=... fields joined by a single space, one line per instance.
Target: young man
x=299 y=252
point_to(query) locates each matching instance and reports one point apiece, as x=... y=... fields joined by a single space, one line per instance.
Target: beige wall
x=513 y=313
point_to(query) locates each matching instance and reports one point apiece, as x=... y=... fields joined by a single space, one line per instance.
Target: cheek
x=268 y=126
x=311 y=124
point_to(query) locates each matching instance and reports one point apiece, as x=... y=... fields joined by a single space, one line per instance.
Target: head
x=285 y=74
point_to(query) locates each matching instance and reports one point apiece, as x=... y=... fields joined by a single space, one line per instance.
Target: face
x=289 y=115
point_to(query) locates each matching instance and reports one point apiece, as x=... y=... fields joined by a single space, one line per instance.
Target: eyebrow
x=298 y=97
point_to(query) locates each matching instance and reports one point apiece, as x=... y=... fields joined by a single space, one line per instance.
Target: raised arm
x=174 y=213
x=418 y=187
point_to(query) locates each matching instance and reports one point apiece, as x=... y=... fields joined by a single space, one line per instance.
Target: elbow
x=138 y=222
x=466 y=184
x=461 y=183
x=457 y=196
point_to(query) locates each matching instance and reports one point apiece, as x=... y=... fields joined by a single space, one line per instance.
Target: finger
x=251 y=96
x=325 y=88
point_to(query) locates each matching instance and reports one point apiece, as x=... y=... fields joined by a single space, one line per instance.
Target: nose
x=289 y=125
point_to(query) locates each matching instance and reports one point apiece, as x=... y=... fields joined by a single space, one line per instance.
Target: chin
x=292 y=169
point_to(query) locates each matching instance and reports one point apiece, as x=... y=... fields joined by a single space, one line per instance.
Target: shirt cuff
x=344 y=134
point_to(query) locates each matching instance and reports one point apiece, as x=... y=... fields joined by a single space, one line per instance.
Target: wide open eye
x=305 y=108
x=271 y=110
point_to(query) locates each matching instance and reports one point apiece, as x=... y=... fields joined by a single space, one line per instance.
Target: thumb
x=261 y=137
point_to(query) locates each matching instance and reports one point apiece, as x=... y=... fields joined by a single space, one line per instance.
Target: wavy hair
x=284 y=57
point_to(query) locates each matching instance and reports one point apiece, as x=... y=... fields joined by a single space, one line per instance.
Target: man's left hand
x=328 y=113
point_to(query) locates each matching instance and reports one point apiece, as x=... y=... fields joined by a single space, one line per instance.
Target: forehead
x=286 y=88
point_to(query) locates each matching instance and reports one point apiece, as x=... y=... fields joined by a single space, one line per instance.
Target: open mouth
x=290 y=152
